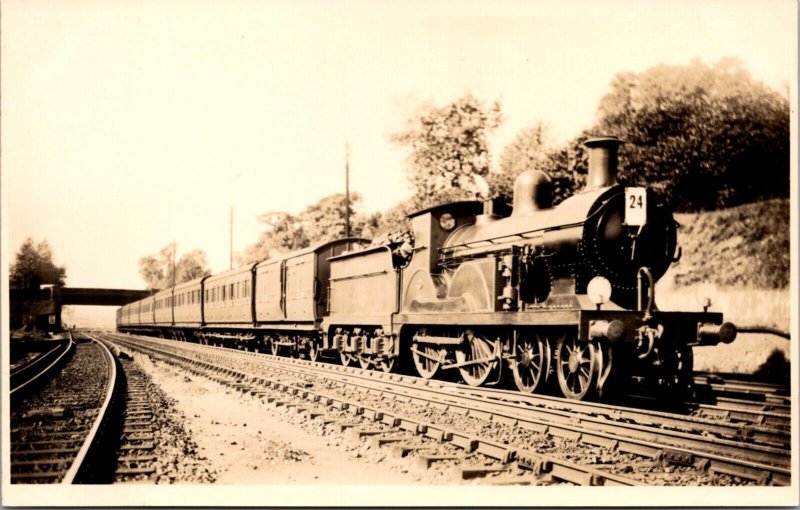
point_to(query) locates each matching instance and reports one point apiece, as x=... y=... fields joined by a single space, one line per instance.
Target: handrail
x=764 y=329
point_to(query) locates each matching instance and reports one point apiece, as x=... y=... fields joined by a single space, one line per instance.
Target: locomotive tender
x=564 y=292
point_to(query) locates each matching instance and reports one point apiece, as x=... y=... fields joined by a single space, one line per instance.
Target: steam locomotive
x=562 y=293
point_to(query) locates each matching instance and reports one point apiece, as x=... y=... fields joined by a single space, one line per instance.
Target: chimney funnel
x=602 y=161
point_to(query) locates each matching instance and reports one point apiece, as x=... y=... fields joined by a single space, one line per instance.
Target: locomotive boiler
x=560 y=293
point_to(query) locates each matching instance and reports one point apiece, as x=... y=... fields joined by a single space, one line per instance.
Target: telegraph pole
x=230 y=218
x=347 y=189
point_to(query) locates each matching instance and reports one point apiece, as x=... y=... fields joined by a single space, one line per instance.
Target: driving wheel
x=575 y=367
x=528 y=364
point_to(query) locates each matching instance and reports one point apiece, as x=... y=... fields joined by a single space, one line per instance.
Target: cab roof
x=460 y=209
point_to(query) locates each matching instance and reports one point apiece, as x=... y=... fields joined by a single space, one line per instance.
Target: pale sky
x=129 y=124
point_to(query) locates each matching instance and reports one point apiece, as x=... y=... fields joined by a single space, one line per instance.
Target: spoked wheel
x=528 y=365
x=575 y=362
x=480 y=350
x=387 y=364
x=427 y=362
x=346 y=358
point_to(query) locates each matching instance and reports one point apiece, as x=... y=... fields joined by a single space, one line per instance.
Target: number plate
x=635 y=206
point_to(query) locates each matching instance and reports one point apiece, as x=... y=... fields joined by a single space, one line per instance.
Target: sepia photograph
x=363 y=253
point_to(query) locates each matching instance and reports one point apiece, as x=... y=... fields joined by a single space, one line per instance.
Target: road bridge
x=42 y=307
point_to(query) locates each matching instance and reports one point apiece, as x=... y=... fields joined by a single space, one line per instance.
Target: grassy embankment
x=739 y=258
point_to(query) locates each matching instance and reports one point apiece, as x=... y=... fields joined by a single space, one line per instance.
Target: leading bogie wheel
x=387 y=364
x=346 y=358
x=529 y=362
x=575 y=367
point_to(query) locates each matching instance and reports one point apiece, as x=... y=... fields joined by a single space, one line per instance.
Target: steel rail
x=550 y=418
x=756 y=413
x=543 y=402
x=765 y=330
x=737 y=384
x=656 y=418
x=88 y=443
x=559 y=468
x=67 y=348
x=28 y=365
x=645 y=444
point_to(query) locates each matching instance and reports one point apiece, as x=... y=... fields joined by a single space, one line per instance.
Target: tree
x=34 y=267
x=160 y=271
x=534 y=149
x=704 y=137
x=449 y=157
x=192 y=265
x=325 y=220
x=394 y=219
x=317 y=223
x=282 y=232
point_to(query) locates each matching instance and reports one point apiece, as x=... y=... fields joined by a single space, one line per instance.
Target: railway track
x=135 y=420
x=54 y=432
x=135 y=451
x=757 y=454
x=25 y=376
x=733 y=391
x=428 y=443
